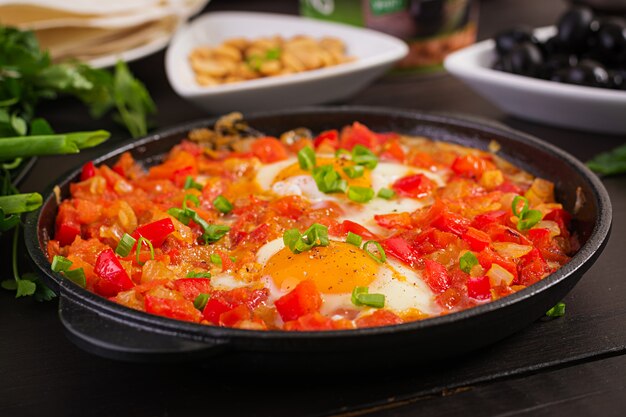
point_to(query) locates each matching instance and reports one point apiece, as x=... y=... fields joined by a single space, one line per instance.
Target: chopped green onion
x=180 y=215
x=386 y=193
x=557 y=311
x=382 y=257
x=316 y=235
x=201 y=300
x=125 y=245
x=360 y=194
x=529 y=219
x=192 y=198
x=354 y=171
x=306 y=158
x=354 y=239
x=342 y=151
x=194 y=274
x=20 y=203
x=328 y=180
x=515 y=205
x=190 y=183
x=362 y=297
x=355 y=293
x=222 y=204
x=467 y=262
x=362 y=155
x=60 y=263
x=214 y=232
x=216 y=259
x=140 y=242
x=232 y=258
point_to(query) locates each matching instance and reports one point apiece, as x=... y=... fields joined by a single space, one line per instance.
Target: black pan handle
x=113 y=339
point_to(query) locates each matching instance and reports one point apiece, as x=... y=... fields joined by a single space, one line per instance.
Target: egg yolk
x=337 y=163
x=335 y=269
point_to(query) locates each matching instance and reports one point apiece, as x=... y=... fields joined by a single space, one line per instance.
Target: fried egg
x=336 y=270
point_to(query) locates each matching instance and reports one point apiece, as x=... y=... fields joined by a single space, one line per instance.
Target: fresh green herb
x=306 y=158
x=142 y=240
x=527 y=218
x=341 y=152
x=194 y=274
x=191 y=183
x=316 y=235
x=132 y=100
x=201 y=300
x=20 y=203
x=556 y=311
x=125 y=245
x=328 y=180
x=362 y=297
x=381 y=257
x=214 y=232
x=222 y=204
x=27 y=146
x=609 y=163
x=355 y=171
x=386 y=193
x=180 y=215
x=62 y=264
x=467 y=262
x=362 y=155
x=216 y=259
x=354 y=239
x=360 y=194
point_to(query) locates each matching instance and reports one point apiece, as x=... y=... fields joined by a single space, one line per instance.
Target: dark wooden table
x=574 y=366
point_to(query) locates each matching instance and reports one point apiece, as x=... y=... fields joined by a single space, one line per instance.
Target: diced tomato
x=227 y=263
x=451 y=222
x=392 y=151
x=303 y=299
x=156 y=232
x=414 y=186
x=112 y=277
x=190 y=288
x=509 y=187
x=451 y=298
x=175 y=163
x=385 y=137
x=329 y=138
x=471 y=166
x=308 y=322
x=67 y=226
x=532 y=268
x=483 y=220
x=260 y=234
x=539 y=237
x=358 y=134
x=400 y=249
x=180 y=175
x=436 y=276
x=432 y=239
x=174 y=309
x=247 y=296
x=378 y=318
x=214 y=308
x=479 y=288
x=487 y=257
x=500 y=233
x=477 y=239
x=346 y=226
x=291 y=206
x=232 y=317
x=423 y=160
x=268 y=149
x=394 y=221
x=562 y=218
x=88 y=171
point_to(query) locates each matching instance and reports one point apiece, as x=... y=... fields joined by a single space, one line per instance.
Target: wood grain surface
x=573 y=366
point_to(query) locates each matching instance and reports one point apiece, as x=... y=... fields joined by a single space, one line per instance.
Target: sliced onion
x=98 y=185
x=511 y=250
x=553 y=227
x=499 y=276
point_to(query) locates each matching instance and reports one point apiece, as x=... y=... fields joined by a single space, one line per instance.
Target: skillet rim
x=199 y=332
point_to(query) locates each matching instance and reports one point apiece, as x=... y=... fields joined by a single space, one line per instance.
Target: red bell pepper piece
x=487 y=257
x=378 y=318
x=67 y=225
x=483 y=220
x=112 y=276
x=346 y=226
x=156 y=232
x=394 y=221
x=328 y=137
x=358 y=134
x=471 y=166
x=532 y=267
x=303 y=299
x=268 y=149
x=174 y=309
x=190 y=288
x=400 y=249
x=452 y=223
x=479 y=288
x=392 y=151
x=436 y=276
x=88 y=171
x=232 y=317
x=477 y=239
x=313 y=321
x=414 y=186
x=214 y=308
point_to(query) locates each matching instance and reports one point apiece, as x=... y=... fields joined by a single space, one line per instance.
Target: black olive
x=574 y=26
x=506 y=40
x=551 y=47
x=587 y=72
x=617 y=79
x=611 y=41
x=555 y=63
x=523 y=59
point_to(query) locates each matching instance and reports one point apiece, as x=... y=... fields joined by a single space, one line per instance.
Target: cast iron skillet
x=111 y=330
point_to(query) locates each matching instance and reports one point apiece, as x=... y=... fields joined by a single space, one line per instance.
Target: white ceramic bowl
x=375 y=52
x=571 y=106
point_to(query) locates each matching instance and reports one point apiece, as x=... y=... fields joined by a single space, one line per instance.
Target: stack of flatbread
x=92 y=29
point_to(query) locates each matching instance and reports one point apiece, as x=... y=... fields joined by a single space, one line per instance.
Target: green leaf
x=556 y=311
x=132 y=100
x=609 y=163
x=40 y=127
x=25 y=288
x=18 y=124
x=9 y=284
